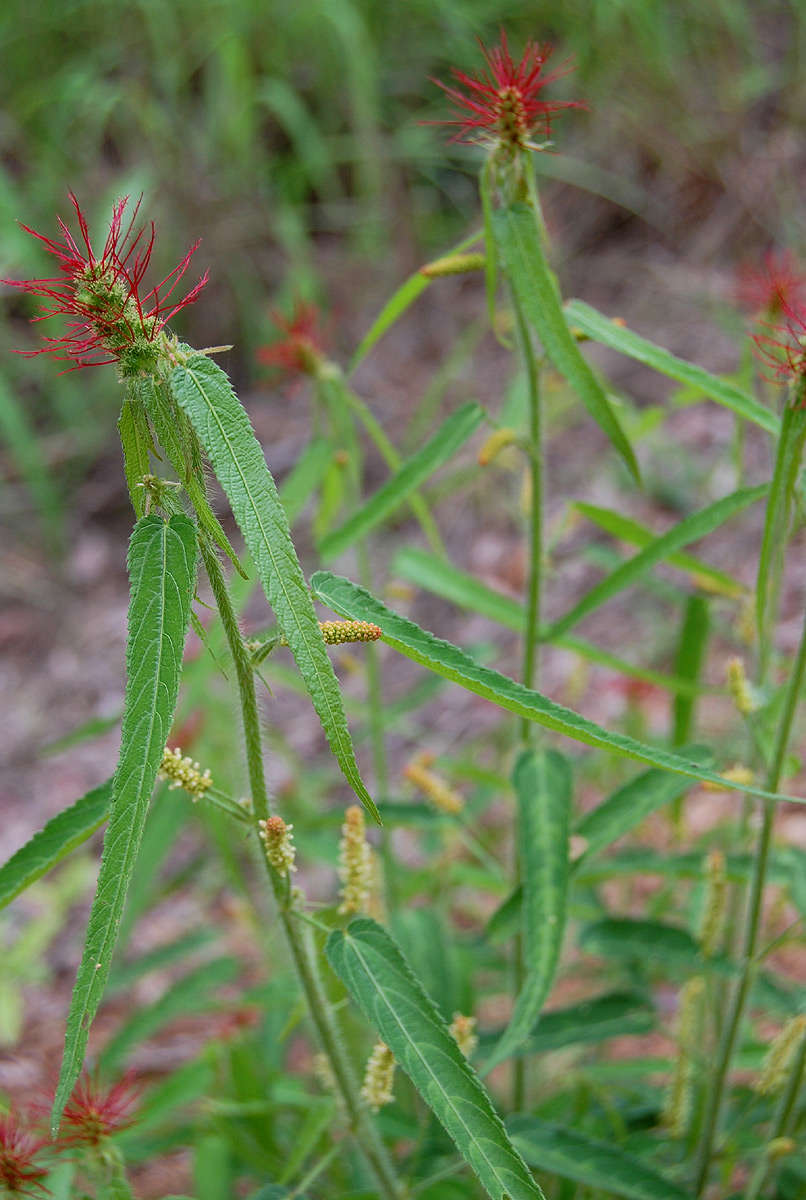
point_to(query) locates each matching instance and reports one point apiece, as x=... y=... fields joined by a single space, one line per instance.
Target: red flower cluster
x=503 y=104
x=109 y=320
x=783 y=349
x=19 y=1173
x=300 y=350
x=94 y=1113
x=773 y=286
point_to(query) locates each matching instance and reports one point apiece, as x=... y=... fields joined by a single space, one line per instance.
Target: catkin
x=379 y=1077
x=184 y=773
x=355 y=863
x=779 y=1057
x=278 y=844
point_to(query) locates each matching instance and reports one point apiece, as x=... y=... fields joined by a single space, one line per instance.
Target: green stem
x=752 y=922
x=531 y=642
x=781 y=1120
x=361 y=1126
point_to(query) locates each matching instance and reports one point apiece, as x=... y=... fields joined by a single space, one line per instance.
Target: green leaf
x=601 y=329
x=776 y=520
x=630 y=805
x=464 y=590
x=162 y=573
x=354 y=602
x=691 y=652
x=598 y=1165
x=643 y=941
x=452 y=434
x=690 y=529
x=614 y=1014
x=135 y=439
x=518 y=239
x=180 y=453
x=628 y=530
x=59 y=837
x=379 y=980
x=203 y=391
x=542 y=782
x=397 y=304
x=305 y=477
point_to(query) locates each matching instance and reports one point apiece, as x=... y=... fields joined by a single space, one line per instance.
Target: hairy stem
x=752 y=926
x=319 y=1008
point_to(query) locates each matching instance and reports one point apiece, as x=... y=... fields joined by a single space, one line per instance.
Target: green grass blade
x=690 y=529
x=601 y=329
x=380 y=981
x=397 y=304
x=631 y=804
x=451 y=435
x=465 y=591
x=776 y=520
x=691 y=652
x=628 y=530
x=204 y=392
x=542 y=782
x=162 y=573
x=305 y=477
x=522 y=255
x=62 y=834
x=590 y=1162
x=350 y=600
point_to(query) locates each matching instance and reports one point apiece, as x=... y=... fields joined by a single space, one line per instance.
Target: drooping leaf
x=397 y=304
x=601 y=329
x=58 y=838
x=636 y=534
x=690 y=529
x=464 y=590
x=691 y=651
x=542 y=782
x=452 y=434
x=204 y=392
x=162 y=573
x=593 y=1163
x=350 y=600
x=518 y=239
x=379 y=980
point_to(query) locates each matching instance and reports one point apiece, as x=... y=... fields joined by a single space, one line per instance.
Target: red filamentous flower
x=19 y=1174
x=783 y=349
x=109 y=320
x=502 y=105
x=94 y=1113
x=300 y=349
x=771 y=286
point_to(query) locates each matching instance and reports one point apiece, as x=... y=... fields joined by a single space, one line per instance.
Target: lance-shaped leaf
x=350 y=600
x=203 y=391
x=601 y=329
x=58 y=838
x=542 y=782
x=380 y=981
x=452 y=434
x=776 y=522
x=690 y=529
x=135 y=439
x=162 y=574
x=518 y=240
x=691 y=653
x=596 y=1164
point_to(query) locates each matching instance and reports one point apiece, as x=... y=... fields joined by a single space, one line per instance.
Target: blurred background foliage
x=292 y=139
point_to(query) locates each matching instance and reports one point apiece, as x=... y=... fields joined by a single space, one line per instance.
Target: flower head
x=783 y=349
x=502 y=104
x=300 y=349
x=110 y=318
x=19 y=1174
x=94 y=1113
x=771 y=286
x=278 y=843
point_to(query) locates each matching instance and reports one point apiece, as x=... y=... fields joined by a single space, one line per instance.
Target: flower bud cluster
x=379 y=1077
x=780 y=1055
x=336 y=633
x=712 y=925
x=355 y=863
x=463 y=1030
x=184 y=773
x=739 y=688
x=441 y=795
x=679 y=1095
x=278 y=844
